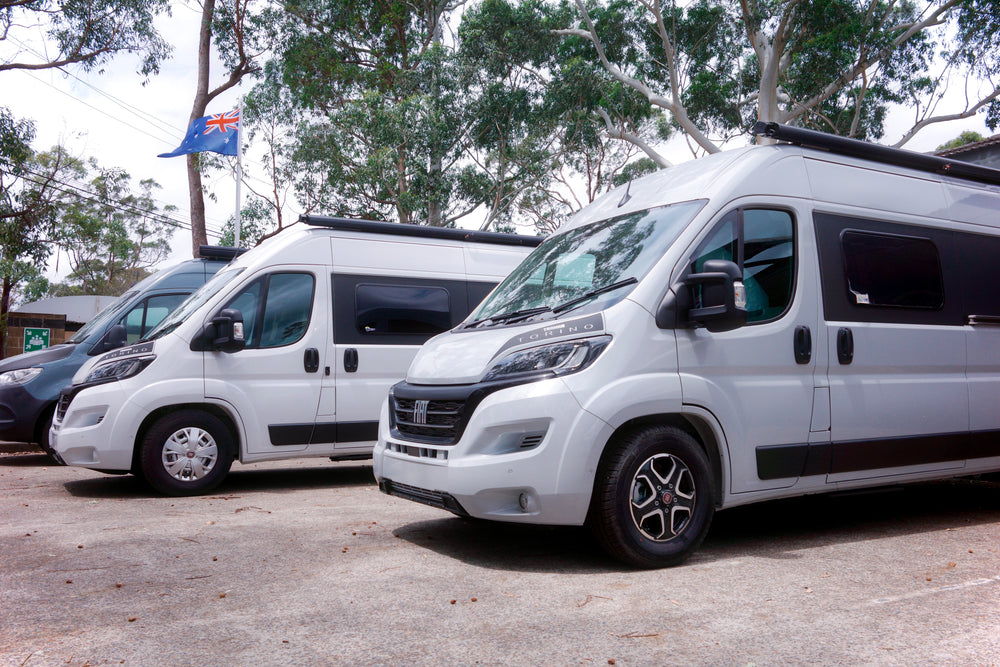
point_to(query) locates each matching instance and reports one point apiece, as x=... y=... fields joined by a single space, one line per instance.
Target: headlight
x=20 y=376
x=555 y=359
x=118 y=370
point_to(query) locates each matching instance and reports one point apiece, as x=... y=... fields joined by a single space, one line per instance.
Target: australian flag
x=216 y=133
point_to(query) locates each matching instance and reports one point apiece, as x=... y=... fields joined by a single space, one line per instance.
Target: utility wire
x=72 y=188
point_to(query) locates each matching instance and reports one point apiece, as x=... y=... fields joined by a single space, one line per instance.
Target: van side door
x=759 y=380
x=274 y=382
x=379 y=323
x=980 y=254
x=895 y=324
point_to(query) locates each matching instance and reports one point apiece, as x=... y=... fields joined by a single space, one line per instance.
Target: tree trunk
x=4 y=309
x=199 y=236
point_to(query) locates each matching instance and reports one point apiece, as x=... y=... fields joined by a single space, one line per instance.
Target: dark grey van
x=30 y=383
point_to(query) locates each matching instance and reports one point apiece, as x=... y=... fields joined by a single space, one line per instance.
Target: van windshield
x=590 y=266
x=193 y=303
x=107 y=314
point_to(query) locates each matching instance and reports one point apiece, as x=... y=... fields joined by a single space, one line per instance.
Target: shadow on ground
x=34 y=459
x=778 y=529
x=239 y=480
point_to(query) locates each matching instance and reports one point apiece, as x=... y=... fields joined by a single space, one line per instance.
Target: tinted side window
x=402 y=309
x=148 y=313
x=361 y=302
x=761 y=243
x=894 y=271
x=890 y=272
x=276 y=309
x=287 y=308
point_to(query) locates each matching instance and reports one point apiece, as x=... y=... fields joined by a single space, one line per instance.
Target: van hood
x=37 y=358
x=465 y=356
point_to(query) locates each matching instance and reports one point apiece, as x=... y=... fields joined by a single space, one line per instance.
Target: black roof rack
x=878 y=153
x=219 y=252
x=397 y=229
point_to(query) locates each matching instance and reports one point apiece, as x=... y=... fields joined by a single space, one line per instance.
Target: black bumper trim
x=439 y=499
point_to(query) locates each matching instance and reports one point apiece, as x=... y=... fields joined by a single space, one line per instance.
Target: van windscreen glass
x=886 y=270
x=193 y=303
x=590 y=266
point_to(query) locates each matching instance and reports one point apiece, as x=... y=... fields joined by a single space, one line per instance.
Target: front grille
x=438 y=414
x=64 y=400
x=427 y=420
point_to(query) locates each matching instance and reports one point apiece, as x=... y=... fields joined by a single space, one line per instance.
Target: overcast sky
x=113 y=117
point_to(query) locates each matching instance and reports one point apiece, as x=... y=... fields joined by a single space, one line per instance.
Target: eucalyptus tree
x=534 y=104
x=84 y=33
x=234 y=29
x=112 y=230
x=374 y=115
x=712 y=67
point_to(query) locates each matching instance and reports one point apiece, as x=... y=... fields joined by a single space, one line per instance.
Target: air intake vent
x=531 y=440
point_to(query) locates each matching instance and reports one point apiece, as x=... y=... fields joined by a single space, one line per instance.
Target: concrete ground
x=306 y=563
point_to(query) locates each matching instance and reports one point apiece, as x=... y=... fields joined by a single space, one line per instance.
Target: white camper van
x=766 y=322
x=287 y=352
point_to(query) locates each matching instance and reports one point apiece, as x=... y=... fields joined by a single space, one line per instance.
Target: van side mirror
x=723 y=299
x=224 y=333
x=115 y=338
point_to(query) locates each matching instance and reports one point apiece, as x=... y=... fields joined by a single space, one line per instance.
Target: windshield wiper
x=586 y=296
x=508 y=317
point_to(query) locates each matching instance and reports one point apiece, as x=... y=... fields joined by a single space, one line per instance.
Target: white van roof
x=824 y=168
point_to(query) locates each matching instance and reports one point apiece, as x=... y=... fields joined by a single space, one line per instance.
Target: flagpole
x=239 y=176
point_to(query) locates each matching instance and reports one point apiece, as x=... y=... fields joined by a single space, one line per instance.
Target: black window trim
x=837 y=306
x=740 y=249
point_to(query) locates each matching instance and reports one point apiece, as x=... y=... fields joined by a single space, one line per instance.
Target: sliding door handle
x=845 y=345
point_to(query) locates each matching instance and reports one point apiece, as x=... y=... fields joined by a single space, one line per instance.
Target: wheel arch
x=691 y=424
x=159 y=412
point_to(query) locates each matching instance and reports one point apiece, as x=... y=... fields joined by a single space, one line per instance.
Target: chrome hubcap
x=189 y=454
x=662 y=497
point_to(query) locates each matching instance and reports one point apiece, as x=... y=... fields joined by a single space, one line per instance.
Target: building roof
x=76 y=308
x=985 y=143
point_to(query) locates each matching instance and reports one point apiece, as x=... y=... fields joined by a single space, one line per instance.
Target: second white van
x=287 y=352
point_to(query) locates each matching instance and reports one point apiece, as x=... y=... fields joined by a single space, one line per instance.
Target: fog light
x=522 y=501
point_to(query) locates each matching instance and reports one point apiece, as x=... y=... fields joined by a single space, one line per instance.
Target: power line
x=73 y=188
x=158 y=123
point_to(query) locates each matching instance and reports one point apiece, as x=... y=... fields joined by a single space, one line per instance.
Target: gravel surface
x=306 y=563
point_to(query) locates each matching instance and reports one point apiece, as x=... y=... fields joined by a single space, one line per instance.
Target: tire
x=43 y=437
x=653 y=500
x=186 y=453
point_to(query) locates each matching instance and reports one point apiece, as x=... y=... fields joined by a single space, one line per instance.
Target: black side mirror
x=723 y=299
x=115 y=338
x=224 y=333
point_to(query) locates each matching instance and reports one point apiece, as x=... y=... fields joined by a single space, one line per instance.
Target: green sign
x=35 y=339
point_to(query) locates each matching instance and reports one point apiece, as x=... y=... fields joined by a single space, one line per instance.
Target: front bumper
x=95 y=430
x=19 y=413
x=528 y=454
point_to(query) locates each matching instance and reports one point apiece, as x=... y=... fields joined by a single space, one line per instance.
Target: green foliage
x=256 y=223
x=966 y=137
x=112 y=230
x=88 y=33
x=26 y=209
